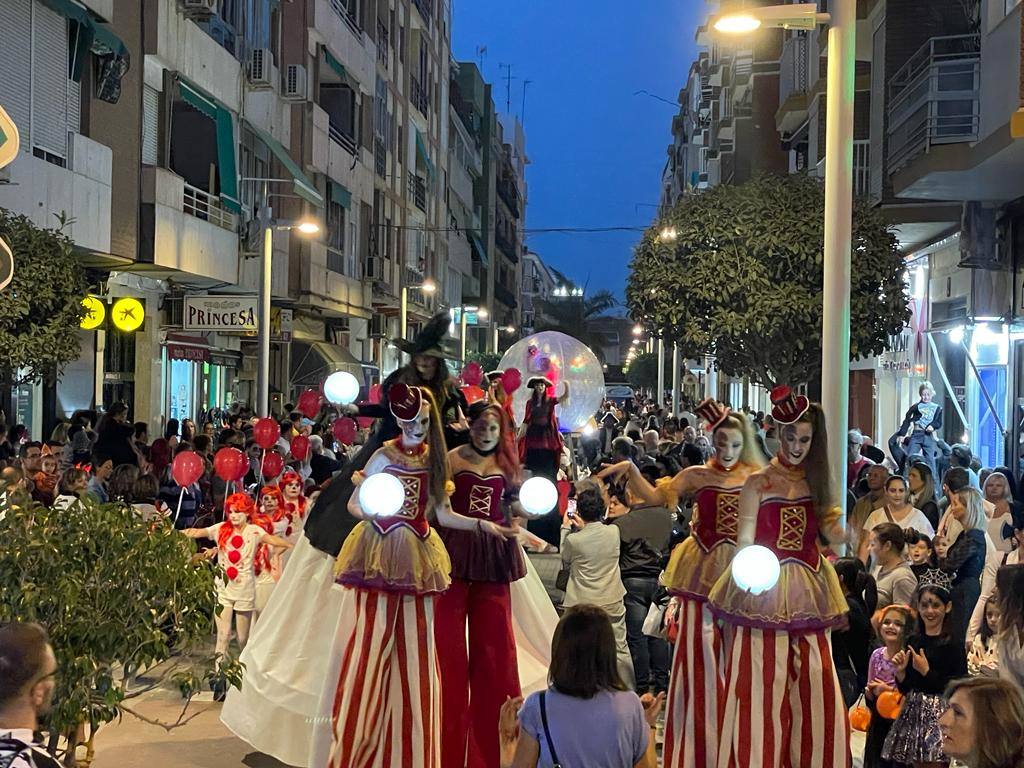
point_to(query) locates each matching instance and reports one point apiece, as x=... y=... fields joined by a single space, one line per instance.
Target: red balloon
x=344 y=431
x=230 y=464
x=472 y=393
x=266 y=432
x=300 y=447
x=472 y=374
x=375 y=393
x=511 y=380
x=186 y=468
x=273 y=464
x=309 y=403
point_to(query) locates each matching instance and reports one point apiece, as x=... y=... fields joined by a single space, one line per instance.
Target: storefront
x=198 y=378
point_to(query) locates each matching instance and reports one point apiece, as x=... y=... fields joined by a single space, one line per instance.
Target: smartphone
x=571 y=509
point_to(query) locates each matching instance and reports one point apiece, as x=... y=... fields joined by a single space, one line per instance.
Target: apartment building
x=538 y=286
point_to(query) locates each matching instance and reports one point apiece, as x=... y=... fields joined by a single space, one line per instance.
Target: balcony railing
x=380 y=157
x=207 y=207
x=793 y=68
x=416 y=295
x=418 y=96
x=426 y=8
x=347 y=10
x=507 y=247
x=861 y=167
x=504 y=295
x=348 y=142
x=418 y=190
x=507 y=192
x=934 y=98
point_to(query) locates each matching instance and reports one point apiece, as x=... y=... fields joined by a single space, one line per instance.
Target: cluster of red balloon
x=471 y=377
x=308 y=403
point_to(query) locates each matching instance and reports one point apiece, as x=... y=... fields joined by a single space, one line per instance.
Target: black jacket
x=914 y=414
x=645 y=533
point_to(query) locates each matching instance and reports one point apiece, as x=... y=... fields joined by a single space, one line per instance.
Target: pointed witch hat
x=430 y=340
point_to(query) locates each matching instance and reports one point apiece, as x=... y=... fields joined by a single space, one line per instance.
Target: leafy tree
x=41 y=309
x=743 y=279
x=117 y=596
x=572 y=315
x=643 y=371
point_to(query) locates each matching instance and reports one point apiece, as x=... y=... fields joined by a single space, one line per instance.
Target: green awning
x=226 y=143
x=87 y=34
x=336 y=65
x=479 y=248
x=421 y=148
x=340 y=194
x=303 y=187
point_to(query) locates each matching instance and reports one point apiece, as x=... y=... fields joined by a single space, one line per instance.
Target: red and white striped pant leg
x=387 y=710
x=821 y=732
x=755 y=721
x=695 y=690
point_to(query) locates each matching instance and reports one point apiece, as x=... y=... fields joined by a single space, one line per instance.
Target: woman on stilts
x=782 y=702
x=476 y=680
x=387 y=702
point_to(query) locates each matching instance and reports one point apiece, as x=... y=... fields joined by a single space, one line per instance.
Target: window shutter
x=150 y=126
x=50 y=81
x=15 y=64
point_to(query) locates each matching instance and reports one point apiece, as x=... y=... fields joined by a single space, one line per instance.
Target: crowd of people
x=419 y=627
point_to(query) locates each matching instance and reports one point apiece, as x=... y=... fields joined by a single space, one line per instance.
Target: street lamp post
x=842 y=61
x=427 y=286
x=661 y=373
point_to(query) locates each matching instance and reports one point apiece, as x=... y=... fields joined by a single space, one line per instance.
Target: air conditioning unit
x=199 y=8
x=295 y=82
x=374 y=268
x=260 y=66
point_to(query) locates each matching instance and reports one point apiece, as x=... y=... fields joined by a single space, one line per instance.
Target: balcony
x=419 y=96
x=794 y=82
x=383 y=44
x=418 y=191
x=861 y=167
x=416 y=295
x=934 y=98
x=340 y=137
x=207 y=207
x=426 y=9
x=347 y=10
x=507 y=247
x=380 y=157
x=507 y=192
x=505 y=296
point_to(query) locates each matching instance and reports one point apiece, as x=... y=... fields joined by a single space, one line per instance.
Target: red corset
x=479 y=497
x=789 y=528
x=715 y=516
x=413 y=512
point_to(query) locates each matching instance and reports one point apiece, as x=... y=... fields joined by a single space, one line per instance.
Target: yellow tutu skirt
x=802 y=600
x=692 y=572
x=399 y=561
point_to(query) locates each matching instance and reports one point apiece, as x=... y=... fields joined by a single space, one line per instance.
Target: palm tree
x=572 y=315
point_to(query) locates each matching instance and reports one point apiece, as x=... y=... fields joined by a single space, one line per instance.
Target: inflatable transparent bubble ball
x=560 y=358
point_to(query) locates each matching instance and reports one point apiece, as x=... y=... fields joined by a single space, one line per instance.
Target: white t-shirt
x=240 y=591
x=915 y=520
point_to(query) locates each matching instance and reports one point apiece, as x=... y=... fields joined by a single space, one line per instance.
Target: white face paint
x=796 y=441
x=728 y=446
x=486 y=432
x=415 y=432
x=237 y=518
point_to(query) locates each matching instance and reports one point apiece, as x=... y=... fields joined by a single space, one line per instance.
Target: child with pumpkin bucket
x=238 y=540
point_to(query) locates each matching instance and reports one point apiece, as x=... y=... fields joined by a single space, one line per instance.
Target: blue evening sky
x=597 y=151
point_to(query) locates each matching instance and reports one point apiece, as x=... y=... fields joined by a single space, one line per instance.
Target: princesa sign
x=228 y=314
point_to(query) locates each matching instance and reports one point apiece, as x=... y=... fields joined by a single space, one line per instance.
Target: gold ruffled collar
x=400 y=455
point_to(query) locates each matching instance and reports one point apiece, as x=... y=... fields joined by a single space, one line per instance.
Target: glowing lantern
x=538 y=496
x=341 y=388
x=127 y=314
x=755 y=569
x=381 y=495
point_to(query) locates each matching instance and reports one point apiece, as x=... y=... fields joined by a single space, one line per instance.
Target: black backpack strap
x=547 y=731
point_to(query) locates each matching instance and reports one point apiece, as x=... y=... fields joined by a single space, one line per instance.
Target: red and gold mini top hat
x=787 y=407
x=405 y=401
x=713 y=412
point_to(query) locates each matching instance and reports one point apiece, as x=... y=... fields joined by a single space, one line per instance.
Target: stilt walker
x=387 y=701
x=479 y=675
x=783 y=707
x=695 y=685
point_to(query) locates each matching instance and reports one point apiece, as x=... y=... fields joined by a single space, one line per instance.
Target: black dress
x=965 y=560
x=851 y=650
x=329 y=522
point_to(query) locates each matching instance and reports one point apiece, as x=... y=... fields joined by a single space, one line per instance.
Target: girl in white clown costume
x=782 y=703
x=387 y=705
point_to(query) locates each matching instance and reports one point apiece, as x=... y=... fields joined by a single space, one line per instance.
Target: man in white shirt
x=27 y=670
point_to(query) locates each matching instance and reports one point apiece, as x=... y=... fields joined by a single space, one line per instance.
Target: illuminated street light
x=308 y=227
x=638 y=330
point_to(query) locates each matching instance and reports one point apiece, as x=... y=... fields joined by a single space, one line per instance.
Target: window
x=339 y=101
x=335 y=236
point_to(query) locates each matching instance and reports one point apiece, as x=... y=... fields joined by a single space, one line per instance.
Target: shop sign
x=281 y=324
x=227 y=314
x=188 y=352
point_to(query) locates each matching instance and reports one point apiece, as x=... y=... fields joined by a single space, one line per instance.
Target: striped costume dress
x=695 y=686
x=782 y=705
x=387 y=704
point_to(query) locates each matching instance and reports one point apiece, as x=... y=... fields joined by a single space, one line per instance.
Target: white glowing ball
x=538 y=496
x=561 y=358
x=381 y=495
x=341 y=388
x=755 y=569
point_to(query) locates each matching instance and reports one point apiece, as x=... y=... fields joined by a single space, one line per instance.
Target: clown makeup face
x=292 y=489
x=237 y=518
x=426 y=366
x=796 y=441
x=486 y=432
x=269 y=504
x=415 y=432
x=728 y=446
